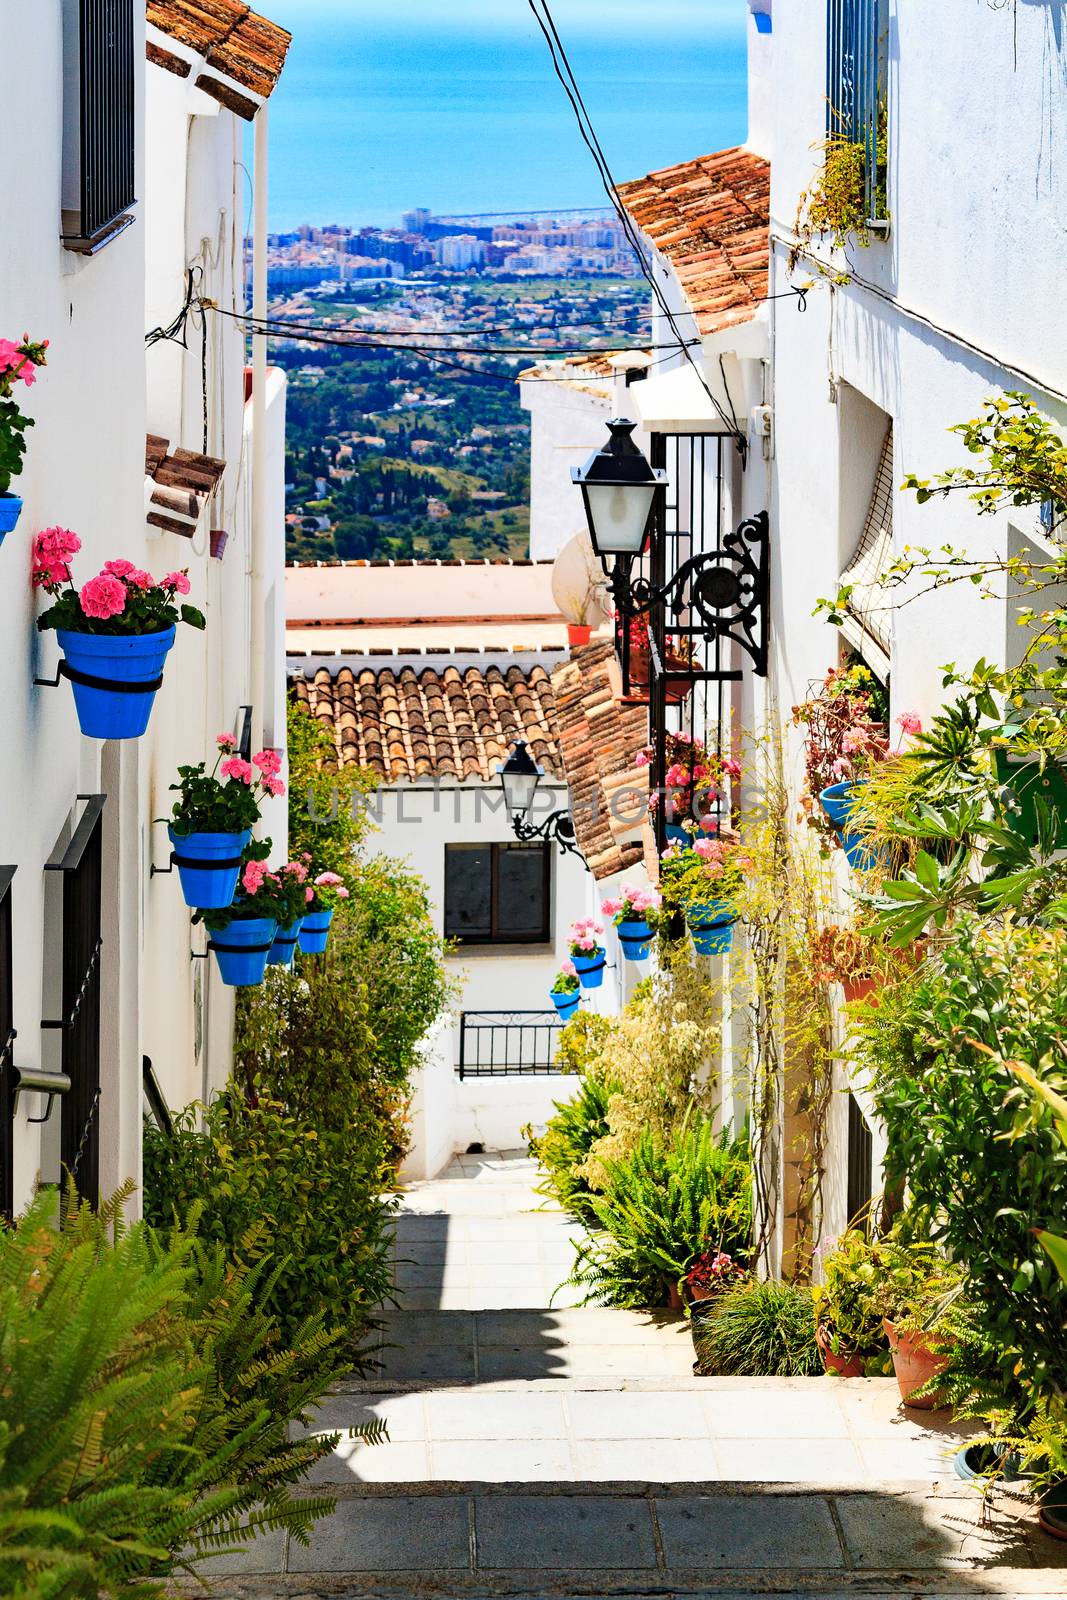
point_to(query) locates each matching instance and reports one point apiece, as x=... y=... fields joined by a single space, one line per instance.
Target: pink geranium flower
x=274 y=786
x=139 y=579
x=238 y=769
x=103 y=597
x=342 y=893
x=177 y=581
x=119 y=569
x=567 y=967
x=909 y=722
x=269 y=762
x=226 y=741
x=329 y=880
x=253 y=876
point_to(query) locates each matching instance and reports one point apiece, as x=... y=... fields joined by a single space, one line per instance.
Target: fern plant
x=663 y=1204
x=565 y=1145
x=147 y=1399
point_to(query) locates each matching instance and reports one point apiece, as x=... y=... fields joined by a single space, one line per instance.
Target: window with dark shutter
x=99 y=126
x=860 y=1186
x=497 y=893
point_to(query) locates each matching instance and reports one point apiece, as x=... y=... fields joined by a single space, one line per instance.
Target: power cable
x=588 y=133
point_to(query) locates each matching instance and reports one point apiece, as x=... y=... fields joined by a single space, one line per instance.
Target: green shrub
x=662 y=1205
x=760 y=1330
x=326 y=820
x=146 y=1406
x=981 y=1156
x=337 y=1038
x=270 y=1186
x=563 y=1147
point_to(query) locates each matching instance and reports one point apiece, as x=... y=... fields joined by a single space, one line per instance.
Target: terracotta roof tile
x=711 y=219
x=599 y=738
x=234 y=41
x=184 y=482
x=408 y=724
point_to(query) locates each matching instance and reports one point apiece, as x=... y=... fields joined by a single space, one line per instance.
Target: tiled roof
x=234 y=41
x=183 y=483
x=711 y=219
x=410 y=724
x=598 y=740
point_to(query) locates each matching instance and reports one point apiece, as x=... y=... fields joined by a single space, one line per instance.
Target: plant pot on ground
x=915 y=1365
x=839 y=1362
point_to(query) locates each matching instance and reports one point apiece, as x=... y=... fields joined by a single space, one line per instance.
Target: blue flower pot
x=314 y=932
x=635 y=938
x=241 y=950
x=676 y=835
x=208 y=866
x=590 y=969
x=114 y=678
x=837 y=801
x=565 y=1001
x=10 y=511
x=711 y=924
x=283 y=949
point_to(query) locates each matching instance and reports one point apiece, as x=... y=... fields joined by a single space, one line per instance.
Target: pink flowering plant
x=631 y=904
x=276 y=896
x=584 y=937
x=226 y=799
x=693 y=781
x=122 y=598
x=325 y=892
x=18 y=364
x=714 y=870
x=566 y=981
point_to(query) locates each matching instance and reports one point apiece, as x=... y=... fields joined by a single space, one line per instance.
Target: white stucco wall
x=567 y=423
x=93 y=404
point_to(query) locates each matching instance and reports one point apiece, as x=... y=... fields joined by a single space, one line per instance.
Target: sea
x=386 y=105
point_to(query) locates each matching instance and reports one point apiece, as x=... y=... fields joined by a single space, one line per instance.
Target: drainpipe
x=259 y=429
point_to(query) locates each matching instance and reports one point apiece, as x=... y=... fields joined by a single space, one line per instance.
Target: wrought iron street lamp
x=619 y=489
x=519 y=776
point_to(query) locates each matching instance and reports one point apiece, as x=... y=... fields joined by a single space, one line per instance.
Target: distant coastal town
x=391 y=452
x=555 y=245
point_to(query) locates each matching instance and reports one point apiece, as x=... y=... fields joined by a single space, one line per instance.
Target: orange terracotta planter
x=858 y=988
x=578 y=633
x=914 y=1364
x=844 y=1366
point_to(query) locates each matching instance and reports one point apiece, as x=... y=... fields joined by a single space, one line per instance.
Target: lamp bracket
x=724 y=592
x=557 y=829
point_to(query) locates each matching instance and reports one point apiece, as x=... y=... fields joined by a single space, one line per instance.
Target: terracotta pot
x=844 y=1366
x=640 y=669
x=578 y=633
x=858 y=988
x=914 y=1364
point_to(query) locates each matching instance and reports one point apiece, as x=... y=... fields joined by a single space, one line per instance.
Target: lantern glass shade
x=618 y=516
x=619 y=489
x=519 y=777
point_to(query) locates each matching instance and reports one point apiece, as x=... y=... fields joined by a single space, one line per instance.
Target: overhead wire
x=565 y=74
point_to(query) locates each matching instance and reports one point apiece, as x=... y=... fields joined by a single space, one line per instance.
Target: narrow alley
x=509 y=1421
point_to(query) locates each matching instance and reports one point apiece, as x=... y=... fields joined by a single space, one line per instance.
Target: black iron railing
x=99 y=182
x=501 y=1044
x=81 y=862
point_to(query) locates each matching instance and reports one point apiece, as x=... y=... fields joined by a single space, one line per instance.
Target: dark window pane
x=468 y=891
x=521 y=912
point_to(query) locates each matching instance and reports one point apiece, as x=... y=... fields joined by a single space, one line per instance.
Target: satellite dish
x=579 y=587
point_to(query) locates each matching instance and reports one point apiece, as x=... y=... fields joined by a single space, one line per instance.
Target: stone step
x=606 y=1539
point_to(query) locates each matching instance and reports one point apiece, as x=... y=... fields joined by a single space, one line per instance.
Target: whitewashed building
x=121 y=163
x=428 y=674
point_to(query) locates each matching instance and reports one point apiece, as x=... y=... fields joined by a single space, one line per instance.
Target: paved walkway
x=552 y=1452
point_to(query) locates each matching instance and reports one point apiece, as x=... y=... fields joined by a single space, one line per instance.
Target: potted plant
x=848 y=1308
x=293 y=880
x=213 y=819
x=114 y=632
x=708 y=1276
x=845 y=719
x=242 y=934
x=703 y=883
x=629 y=911
x=566 y=992
x=18 y=364
x=694 y=787
x=640 y=661
x=587 y=955
x=322 y=897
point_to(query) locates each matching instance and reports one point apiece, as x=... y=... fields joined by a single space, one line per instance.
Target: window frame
x=495 y=936
x=857 y=85
x=99 y=123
